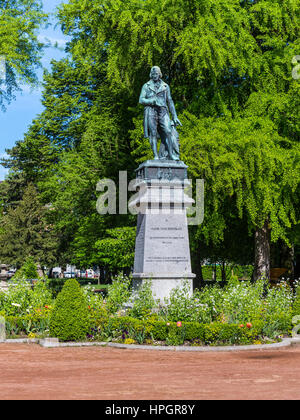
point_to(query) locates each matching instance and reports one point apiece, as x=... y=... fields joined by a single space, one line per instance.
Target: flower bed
x=128 y=330
x=27 y=325
x=241 y=313
x=131 y=330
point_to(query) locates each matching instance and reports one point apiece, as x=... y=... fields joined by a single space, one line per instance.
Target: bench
x=276 y=273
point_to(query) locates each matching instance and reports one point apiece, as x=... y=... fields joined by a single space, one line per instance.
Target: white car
x=69 y=275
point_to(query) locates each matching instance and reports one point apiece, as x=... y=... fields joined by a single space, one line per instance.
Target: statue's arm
x=143 y=100
x=172 y=107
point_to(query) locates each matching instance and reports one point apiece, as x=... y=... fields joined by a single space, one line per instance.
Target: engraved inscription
x=166 y=236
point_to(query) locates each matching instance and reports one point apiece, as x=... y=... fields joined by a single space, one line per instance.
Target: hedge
x=191 y=331
x=142 y=330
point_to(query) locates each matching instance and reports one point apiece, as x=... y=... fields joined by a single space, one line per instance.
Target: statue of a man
x=156 y=97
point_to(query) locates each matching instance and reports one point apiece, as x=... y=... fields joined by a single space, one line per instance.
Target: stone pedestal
x=162 y=252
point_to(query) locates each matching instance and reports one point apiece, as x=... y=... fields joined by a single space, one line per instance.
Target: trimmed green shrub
x=56 y=284
x=221 y=334
x=194 y=331
x=157 y=330
x=69 y=319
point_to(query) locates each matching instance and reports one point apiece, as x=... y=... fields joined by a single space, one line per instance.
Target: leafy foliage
x=142 y=302
x=27 y=271
x=229 y=64
x=20 y=48
x=25 y=232
x=117 y=249
x=70 y=318
x=118 y=293
x=21 y=299
x=296 y=305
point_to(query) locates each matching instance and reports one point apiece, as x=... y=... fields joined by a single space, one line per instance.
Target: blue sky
x=20 y=112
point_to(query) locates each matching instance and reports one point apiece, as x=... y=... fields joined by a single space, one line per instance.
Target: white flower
x=16 y=304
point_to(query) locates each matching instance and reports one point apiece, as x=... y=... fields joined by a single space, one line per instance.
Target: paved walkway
x=28 y=371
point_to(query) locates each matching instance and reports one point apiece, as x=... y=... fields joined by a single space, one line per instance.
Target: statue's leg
x=166 y=132
x=163 y=151
x=153 y=144
x=153 y=131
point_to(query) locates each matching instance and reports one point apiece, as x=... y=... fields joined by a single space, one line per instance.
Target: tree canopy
x=20 y=49
x=229 y=64
x=26 y=232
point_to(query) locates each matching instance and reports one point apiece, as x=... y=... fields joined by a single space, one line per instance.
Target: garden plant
x=239 y=313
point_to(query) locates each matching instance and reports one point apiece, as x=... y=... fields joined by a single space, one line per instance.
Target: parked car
x=89 y=274
x=81 y=274
x=69 y=275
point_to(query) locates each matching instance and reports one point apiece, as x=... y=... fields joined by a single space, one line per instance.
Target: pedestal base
x=162 y=286
x=162 y=252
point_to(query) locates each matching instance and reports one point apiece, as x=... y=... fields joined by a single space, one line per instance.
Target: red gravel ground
x=28 y=371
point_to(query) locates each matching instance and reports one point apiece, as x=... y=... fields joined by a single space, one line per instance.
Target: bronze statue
x=156 y=97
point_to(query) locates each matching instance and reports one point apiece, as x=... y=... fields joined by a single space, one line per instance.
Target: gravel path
x=29 y=371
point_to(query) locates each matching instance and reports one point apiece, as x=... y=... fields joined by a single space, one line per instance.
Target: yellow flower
x=129 y=341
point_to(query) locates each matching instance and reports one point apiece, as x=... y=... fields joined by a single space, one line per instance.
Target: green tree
x=75 y=142
x=229 y=63
x=25 y=232
x=116 y=250
x=20 y=49
x=248 y=169
x=28 y=270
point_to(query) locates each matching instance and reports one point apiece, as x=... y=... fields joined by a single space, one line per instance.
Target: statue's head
x=155 y=73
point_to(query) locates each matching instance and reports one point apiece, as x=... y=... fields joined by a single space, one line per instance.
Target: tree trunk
x=291 y=263
x=214 y=273
x=198 y=280
x=288 y=254
x=262 y=252
x=223 y=271
x=196 y=261
x=102 y=276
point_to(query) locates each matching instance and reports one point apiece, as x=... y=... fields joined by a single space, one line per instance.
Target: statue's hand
x=154 y=102
x=177 y=122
